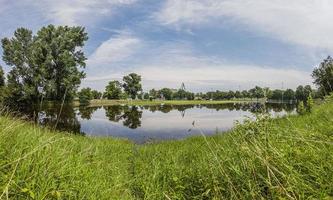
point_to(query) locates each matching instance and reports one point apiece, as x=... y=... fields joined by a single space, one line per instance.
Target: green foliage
x=323 y=76
x=113 y=90
x=46 y=64
x=166 y=93
x=257 y=92
x=146 y=96
x=2 y=77
x=85 y=95
x=286 y=158
x=289 y=94
x=3 y=91
x=132 y=84
x=153 y=94
x=300 y=108
x=309 y=104
x=277 y=94
x=96 y=94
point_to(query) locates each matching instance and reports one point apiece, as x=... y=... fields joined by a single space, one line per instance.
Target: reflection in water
x=141 y=123
x=86 y=112
x=130 y=115
x=65 y=120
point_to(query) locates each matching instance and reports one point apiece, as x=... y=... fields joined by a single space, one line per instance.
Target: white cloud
x=225 y=76
x=115 y=49
x=170 y=65
x=303 y=22
x=77 y=11
x=111 y=54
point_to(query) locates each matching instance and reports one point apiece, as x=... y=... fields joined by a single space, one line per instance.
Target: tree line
x=132 y=88
x=49 y=66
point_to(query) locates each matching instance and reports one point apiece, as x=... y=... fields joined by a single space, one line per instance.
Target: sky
x=207 y=44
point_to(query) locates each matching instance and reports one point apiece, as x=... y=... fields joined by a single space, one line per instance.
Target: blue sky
x=208 y=45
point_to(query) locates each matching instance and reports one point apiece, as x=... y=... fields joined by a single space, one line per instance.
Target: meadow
x=284 y=158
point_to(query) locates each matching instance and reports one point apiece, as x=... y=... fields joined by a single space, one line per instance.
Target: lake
x=143 y=124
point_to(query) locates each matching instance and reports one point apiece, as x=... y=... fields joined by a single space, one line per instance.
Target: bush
x=300 y=108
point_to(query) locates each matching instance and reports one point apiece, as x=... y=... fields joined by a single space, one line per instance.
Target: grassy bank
x=106 y=102
x=287 y=158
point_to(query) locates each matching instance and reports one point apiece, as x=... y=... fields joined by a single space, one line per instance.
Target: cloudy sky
x=207 y=44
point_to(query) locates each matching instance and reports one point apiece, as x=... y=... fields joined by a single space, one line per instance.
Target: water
x=150 y=123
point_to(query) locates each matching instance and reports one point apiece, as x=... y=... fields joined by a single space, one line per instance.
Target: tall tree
x=132 y=84
x=307 y=91
x=2 y=85
x=23 y=81
x=96 y=94
x=46 y=64
x=323 y=76
x=166 y=93
x=2 y=77
x=153 y=93
x=113 y=90
x=60 y=50
x=85 y=95
x=289 y=94
x=300 y=94
x=257 y=92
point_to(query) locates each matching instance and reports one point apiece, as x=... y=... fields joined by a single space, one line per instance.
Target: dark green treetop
x=132 y=84
x=46 y=64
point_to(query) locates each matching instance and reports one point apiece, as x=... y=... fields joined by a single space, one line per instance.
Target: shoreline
x=104 y=102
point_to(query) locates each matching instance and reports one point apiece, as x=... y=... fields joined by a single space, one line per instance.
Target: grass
x=106 y=102
x=286 y=158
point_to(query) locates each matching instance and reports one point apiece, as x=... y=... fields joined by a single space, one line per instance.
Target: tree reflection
x=86 y=112
x=61 y=118
x=131 y=115
x=114 y=113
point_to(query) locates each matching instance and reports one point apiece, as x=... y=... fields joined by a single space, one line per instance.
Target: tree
x=307 y=91
x=257 y=92
x=132 y=84
x=300 y=95
x=277 y=95
x=166 y=93
x=96 y=94
x=85 y=95
x=238 y=94
x=113 y=90
x=190 y=96
x=2 y=85
x=153 y=93
x=146 y=95
x=2 y=77
x=180 y=94
x=46 y=64
x=289 y=94
x=245 y=94
x=267 y=92
x=323 y=76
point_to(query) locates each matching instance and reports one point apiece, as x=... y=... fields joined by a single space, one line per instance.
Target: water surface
x=150 y=123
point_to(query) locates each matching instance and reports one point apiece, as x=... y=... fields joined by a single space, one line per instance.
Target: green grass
x=286 y=158
x=106 y=102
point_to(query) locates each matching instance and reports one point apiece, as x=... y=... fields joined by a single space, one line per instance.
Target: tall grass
x=286 y=158
x=39 y=164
